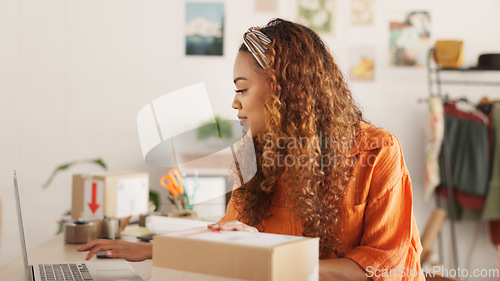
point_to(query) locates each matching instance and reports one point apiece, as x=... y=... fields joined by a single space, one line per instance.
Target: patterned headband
x=257 y=43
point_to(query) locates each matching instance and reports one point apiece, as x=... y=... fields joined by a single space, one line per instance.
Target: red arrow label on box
x=93 y=205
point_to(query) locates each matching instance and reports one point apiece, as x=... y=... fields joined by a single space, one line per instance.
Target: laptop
x=85 y=271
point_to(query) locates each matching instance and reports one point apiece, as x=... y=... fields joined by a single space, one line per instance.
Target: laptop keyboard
x=64 y=272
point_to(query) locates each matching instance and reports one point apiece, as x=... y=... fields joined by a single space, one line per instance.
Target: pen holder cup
x=111 y=228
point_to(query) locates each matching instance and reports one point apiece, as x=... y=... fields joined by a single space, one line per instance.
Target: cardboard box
x=112 y=194
x=234 y=255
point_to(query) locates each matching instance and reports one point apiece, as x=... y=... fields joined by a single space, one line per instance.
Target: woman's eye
x=240 y=91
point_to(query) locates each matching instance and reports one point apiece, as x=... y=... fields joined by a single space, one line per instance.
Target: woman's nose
x=236 y=103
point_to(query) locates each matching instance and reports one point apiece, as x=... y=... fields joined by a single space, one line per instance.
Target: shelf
x=464 y=82
x=463 y=76
x=464 y=70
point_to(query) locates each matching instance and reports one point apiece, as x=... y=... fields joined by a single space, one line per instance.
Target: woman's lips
x=242 y=121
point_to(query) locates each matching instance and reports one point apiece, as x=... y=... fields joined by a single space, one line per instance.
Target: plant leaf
x=101 y=163
x=66 y=166
x=54 y=173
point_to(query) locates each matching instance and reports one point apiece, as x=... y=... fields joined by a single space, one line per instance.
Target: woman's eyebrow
x=238 y=79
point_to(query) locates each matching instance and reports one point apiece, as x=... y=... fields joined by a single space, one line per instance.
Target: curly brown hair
x=310 y=116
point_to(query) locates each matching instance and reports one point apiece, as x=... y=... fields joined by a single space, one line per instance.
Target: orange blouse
x=377 y=227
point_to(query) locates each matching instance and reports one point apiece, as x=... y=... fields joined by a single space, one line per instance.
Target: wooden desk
x=54 y=251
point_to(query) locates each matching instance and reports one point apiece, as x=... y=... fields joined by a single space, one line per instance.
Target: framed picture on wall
x=319 y=15
x=361 y=12
x=204 y=28
x=266 y=5
x=409 y=41
x=362 y=63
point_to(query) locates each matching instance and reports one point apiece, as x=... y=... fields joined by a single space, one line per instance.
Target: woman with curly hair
x=322 y=171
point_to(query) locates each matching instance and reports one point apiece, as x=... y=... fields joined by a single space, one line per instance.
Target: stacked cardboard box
x=113 y=194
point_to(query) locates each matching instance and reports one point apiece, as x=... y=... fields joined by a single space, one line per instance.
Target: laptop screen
x=21 y=228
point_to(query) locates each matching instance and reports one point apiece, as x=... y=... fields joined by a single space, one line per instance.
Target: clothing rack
x=449 y=183
x=435 y=84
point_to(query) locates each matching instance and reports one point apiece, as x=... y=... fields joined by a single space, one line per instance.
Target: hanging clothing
x=495 y=232
x=434 y=134
x=469 y=159
x=466 y=200
x=492 y=208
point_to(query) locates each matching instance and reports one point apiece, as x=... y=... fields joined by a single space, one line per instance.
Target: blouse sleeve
x=390 y=245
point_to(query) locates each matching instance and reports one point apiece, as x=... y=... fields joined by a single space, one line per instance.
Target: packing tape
x=79 y=232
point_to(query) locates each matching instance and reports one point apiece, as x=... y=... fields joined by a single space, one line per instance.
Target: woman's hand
x=232 y=226
x=131 y=251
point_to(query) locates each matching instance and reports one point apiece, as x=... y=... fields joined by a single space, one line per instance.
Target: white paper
x=165 y=225
x=132 y=197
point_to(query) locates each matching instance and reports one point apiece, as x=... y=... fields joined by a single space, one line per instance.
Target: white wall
x=73 y=75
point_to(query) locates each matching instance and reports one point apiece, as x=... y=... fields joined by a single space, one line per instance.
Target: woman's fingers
x=124 y=254
x=131 y=251
x=100 y=247
x=96 y=243
x=136 y=252
x=232 y=226
x=87 y=246
x=95 y=246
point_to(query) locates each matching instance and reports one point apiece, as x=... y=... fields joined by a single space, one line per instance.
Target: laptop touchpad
x=119 y=275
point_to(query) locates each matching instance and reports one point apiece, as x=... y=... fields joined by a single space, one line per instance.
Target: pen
x=171 y=198
x=187 y=198
x=195 y=183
